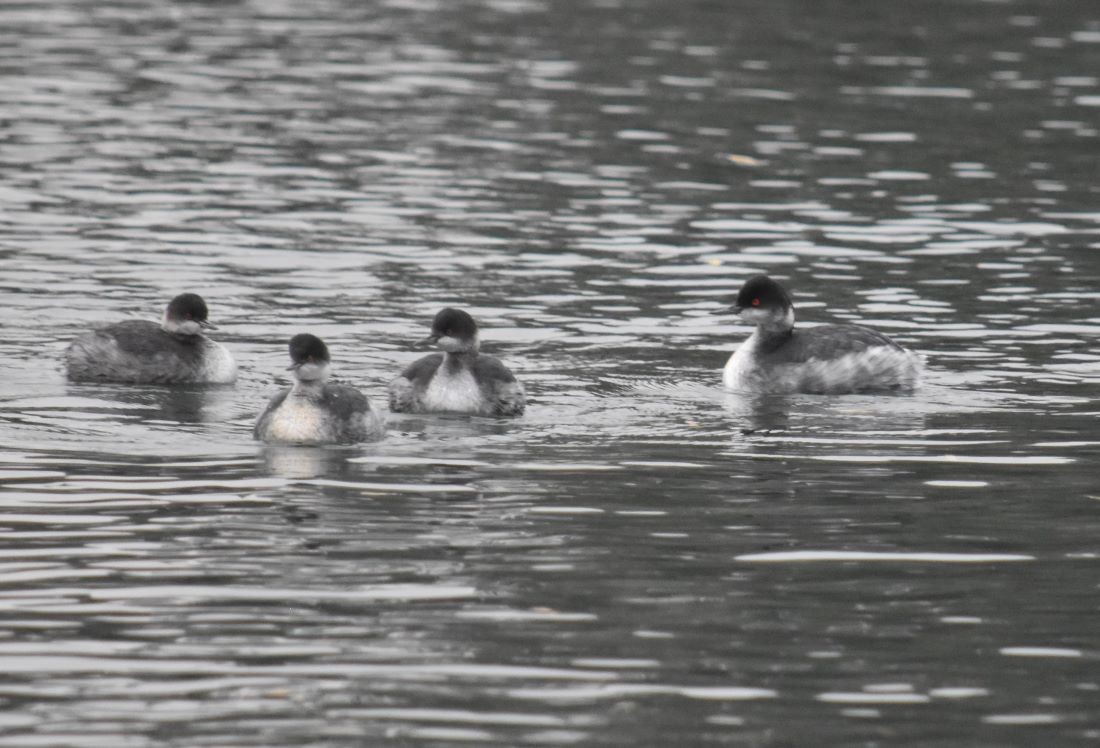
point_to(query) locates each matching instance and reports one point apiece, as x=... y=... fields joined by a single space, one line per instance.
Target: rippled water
x=642 y=558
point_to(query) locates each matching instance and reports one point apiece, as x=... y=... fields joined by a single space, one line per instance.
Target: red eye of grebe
x=756 y=302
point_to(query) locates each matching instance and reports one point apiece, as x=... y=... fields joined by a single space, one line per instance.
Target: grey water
x=643 y=558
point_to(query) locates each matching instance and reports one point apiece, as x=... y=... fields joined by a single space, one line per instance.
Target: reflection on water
x=305 y=463
x=171 y=405
x=642 y=558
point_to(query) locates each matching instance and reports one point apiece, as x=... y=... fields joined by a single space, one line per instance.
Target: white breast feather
x=218 y=364
x=455 y=392
x=736 y=375
x=296 y=420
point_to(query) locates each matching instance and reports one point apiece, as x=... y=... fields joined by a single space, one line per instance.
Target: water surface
x=642 y=558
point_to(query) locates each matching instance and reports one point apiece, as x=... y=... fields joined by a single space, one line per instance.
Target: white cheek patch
x=770 y=318
x=184 y=327
x=449 y=344
x=311 y=372
x=755 y=316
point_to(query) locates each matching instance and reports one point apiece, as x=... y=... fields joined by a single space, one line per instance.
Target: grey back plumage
x=833 y=359
x=822 y=342
x=503 y=392
x=353 y=419
x=407 y=389
x=136 y=351
x=343 y=401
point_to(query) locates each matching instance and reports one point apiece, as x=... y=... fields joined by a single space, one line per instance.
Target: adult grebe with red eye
x=823 y=359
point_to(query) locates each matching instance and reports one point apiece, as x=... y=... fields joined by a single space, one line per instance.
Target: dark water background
x=643 y=559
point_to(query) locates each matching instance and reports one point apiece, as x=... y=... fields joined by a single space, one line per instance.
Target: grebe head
x=309 y=358
x=454 y=331
x=186 y=315
x=766 y=304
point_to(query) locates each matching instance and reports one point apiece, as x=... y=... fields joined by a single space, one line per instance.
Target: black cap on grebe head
x=308 y=349
x=186 y=315
x=309 y=358
x=761 y=292
x=454 y=331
